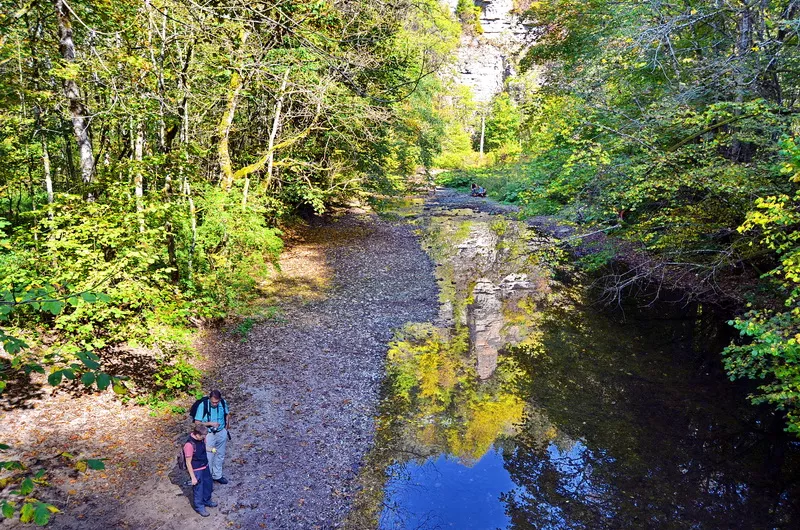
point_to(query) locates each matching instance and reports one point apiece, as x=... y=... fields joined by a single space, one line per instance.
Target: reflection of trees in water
x=433 y=404
x=625 y=445
x=446 y=409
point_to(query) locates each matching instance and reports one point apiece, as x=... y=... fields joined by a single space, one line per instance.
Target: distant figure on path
x=477 y=191
x=212 y=412
x=194 y=450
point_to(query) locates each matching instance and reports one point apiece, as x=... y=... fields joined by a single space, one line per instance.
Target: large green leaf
x=26 y=514
x=42 y=513
x=89 y=297
x=87 y=378
x=95 y=464
x=26 y=487
x=53 y=306
x=89 y=359
x=55 y=378
x=103 y=380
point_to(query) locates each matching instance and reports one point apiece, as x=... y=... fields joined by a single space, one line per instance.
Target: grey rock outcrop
x=484 y=61
x=485 y=318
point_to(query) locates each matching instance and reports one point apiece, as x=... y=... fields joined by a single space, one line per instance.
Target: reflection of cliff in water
x=491 y=281
x=443 y=406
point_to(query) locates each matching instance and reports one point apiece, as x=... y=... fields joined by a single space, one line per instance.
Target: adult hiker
x=194 y=450
x=212 y=412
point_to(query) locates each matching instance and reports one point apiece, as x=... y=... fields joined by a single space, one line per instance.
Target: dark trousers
x=201 y=492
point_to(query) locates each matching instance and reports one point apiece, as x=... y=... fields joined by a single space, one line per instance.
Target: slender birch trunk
x=138 y=178
x=193 y=219
x=153 y=31
x=184 y=83
x=245 y=192
x=276 y=122
x=275 y=126
x=483 y=132
x=78 y=111
x=48 y=179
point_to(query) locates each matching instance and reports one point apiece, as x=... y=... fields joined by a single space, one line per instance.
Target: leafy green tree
x=470 y=16
x=209 y=125
x=663 y=122
x=770 y=350
x=502 y=123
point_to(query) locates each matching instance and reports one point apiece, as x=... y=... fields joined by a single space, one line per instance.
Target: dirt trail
x=303 y=389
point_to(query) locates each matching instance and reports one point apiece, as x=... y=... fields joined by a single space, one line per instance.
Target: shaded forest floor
x=303 y=387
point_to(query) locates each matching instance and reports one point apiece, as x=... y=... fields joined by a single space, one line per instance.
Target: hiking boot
x=203 y=512
x=221 y=480
x=212 y=504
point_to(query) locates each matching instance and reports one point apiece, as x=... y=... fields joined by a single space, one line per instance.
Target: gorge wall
x=484 y=61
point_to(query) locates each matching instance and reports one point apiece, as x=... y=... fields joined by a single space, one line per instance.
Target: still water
x=526 y=406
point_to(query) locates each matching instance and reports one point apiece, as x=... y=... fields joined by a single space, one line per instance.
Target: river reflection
x=522 y=408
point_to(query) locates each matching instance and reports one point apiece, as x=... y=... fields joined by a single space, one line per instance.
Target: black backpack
x=206 y=408
x=181 y=459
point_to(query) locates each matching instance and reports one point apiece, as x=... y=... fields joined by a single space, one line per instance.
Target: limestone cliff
x=485 y=61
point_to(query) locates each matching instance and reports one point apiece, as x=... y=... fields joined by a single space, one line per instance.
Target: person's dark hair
x=216 y=394
x=200 y=430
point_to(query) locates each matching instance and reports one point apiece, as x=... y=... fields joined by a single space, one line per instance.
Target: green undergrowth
x=128 y=289
x=530 y=184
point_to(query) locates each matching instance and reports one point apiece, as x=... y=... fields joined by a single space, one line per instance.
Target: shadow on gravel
x=21 y=392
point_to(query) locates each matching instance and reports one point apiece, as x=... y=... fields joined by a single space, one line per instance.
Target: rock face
x=497 y=18
x=482 y=67
x=485 y=61
x=485 y=318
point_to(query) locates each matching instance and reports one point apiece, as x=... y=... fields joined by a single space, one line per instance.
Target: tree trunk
x=171 y=253
x=193 y=218
x=184 y=83
x=275 y=125
x=245 y=191
x=48 y=179
x=225 y=163
x=740 y=151
x=483 y=133
x=78 y=112
x=154 y=31
x=276 y=121
x=138 y=178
